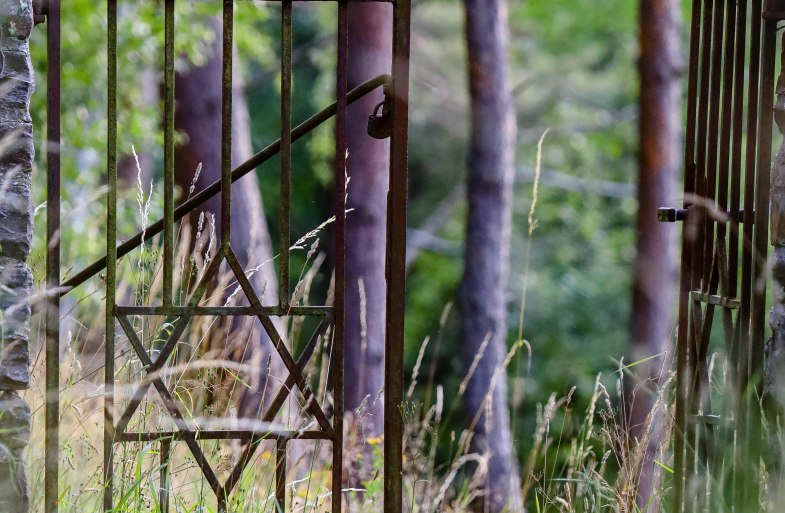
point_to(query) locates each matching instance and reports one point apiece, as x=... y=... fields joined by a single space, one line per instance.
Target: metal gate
x=395 y=87
x=724 y=251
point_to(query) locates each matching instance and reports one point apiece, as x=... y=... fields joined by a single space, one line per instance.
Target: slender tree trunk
x=483 y=290
x=16 y=230
x=656 y=270
x=198 y=115
x=370 y=43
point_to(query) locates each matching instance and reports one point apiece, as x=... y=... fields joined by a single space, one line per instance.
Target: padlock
x=380 y=123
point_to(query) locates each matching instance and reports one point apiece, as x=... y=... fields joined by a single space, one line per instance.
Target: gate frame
x=698 y=281
x=397 y=84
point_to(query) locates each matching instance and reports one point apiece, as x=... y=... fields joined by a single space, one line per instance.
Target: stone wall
x=16 y=159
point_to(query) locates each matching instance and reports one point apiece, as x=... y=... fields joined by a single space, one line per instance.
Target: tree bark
x=198 y=115
x=370 y=50
x=656 y=270
x=484 y=286
x=16 y=230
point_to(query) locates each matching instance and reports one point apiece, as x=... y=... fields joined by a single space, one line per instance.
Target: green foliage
x=573 y=67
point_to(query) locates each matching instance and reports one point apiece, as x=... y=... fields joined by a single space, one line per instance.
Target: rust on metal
x=214 y=188
x=339 y=175
x=53 y=109
x=330 y=318
x=725 y=214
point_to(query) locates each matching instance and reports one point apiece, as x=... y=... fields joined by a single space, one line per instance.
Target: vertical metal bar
x=52 y=420
x=726 y=124
x=226 y=123
x=749 y=186
x=280 y=474
x=723 y=270
x=736 y=148
x=734 y=210
x=753 y=388
x=712 y=141
x=688 y=250
x=762 y=198
x=700 y=187
x=396 y=261
x=286 y=150
x=748 y=254
x=168 y=151
x=703 y=243
x=163 y=492
x=337 y=360
x=703 y=234
x=111 y=251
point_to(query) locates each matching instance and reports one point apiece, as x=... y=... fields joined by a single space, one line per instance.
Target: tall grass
x=580 y=461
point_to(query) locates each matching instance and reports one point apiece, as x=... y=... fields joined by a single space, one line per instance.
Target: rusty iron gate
x=393 y=123
x=730 y=95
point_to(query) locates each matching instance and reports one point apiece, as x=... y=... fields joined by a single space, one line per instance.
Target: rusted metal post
x=16 y=281
x=396 y=261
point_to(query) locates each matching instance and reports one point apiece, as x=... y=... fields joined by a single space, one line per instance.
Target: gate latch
x=774 y=10
x=380 y=121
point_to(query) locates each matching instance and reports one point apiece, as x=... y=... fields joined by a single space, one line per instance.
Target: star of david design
x=187 y=431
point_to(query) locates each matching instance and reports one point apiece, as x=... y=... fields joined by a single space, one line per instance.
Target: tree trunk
x=16 y=230
x=127 y=171
x=198 y=115
x=370 y=44
x=484 y=285
x=656 y=270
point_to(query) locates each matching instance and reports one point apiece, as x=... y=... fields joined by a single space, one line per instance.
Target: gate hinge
x=774 y=10
x=39 y=11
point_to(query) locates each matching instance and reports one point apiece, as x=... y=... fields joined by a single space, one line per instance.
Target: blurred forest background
x=573 y=70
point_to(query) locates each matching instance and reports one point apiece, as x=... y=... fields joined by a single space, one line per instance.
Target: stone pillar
x=16 y=228
x=774 y=379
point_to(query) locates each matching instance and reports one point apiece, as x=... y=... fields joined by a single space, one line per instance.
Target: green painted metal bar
x=52 y=414
x=285 y=196
x=111 y=254
x=243 y=169
x=396 y=261
x=168 y=263
x=339 y=296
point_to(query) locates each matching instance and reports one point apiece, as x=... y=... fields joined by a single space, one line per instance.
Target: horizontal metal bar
x=270 y=311
x=243 y=169
x=713 y=299
x=221 y=434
